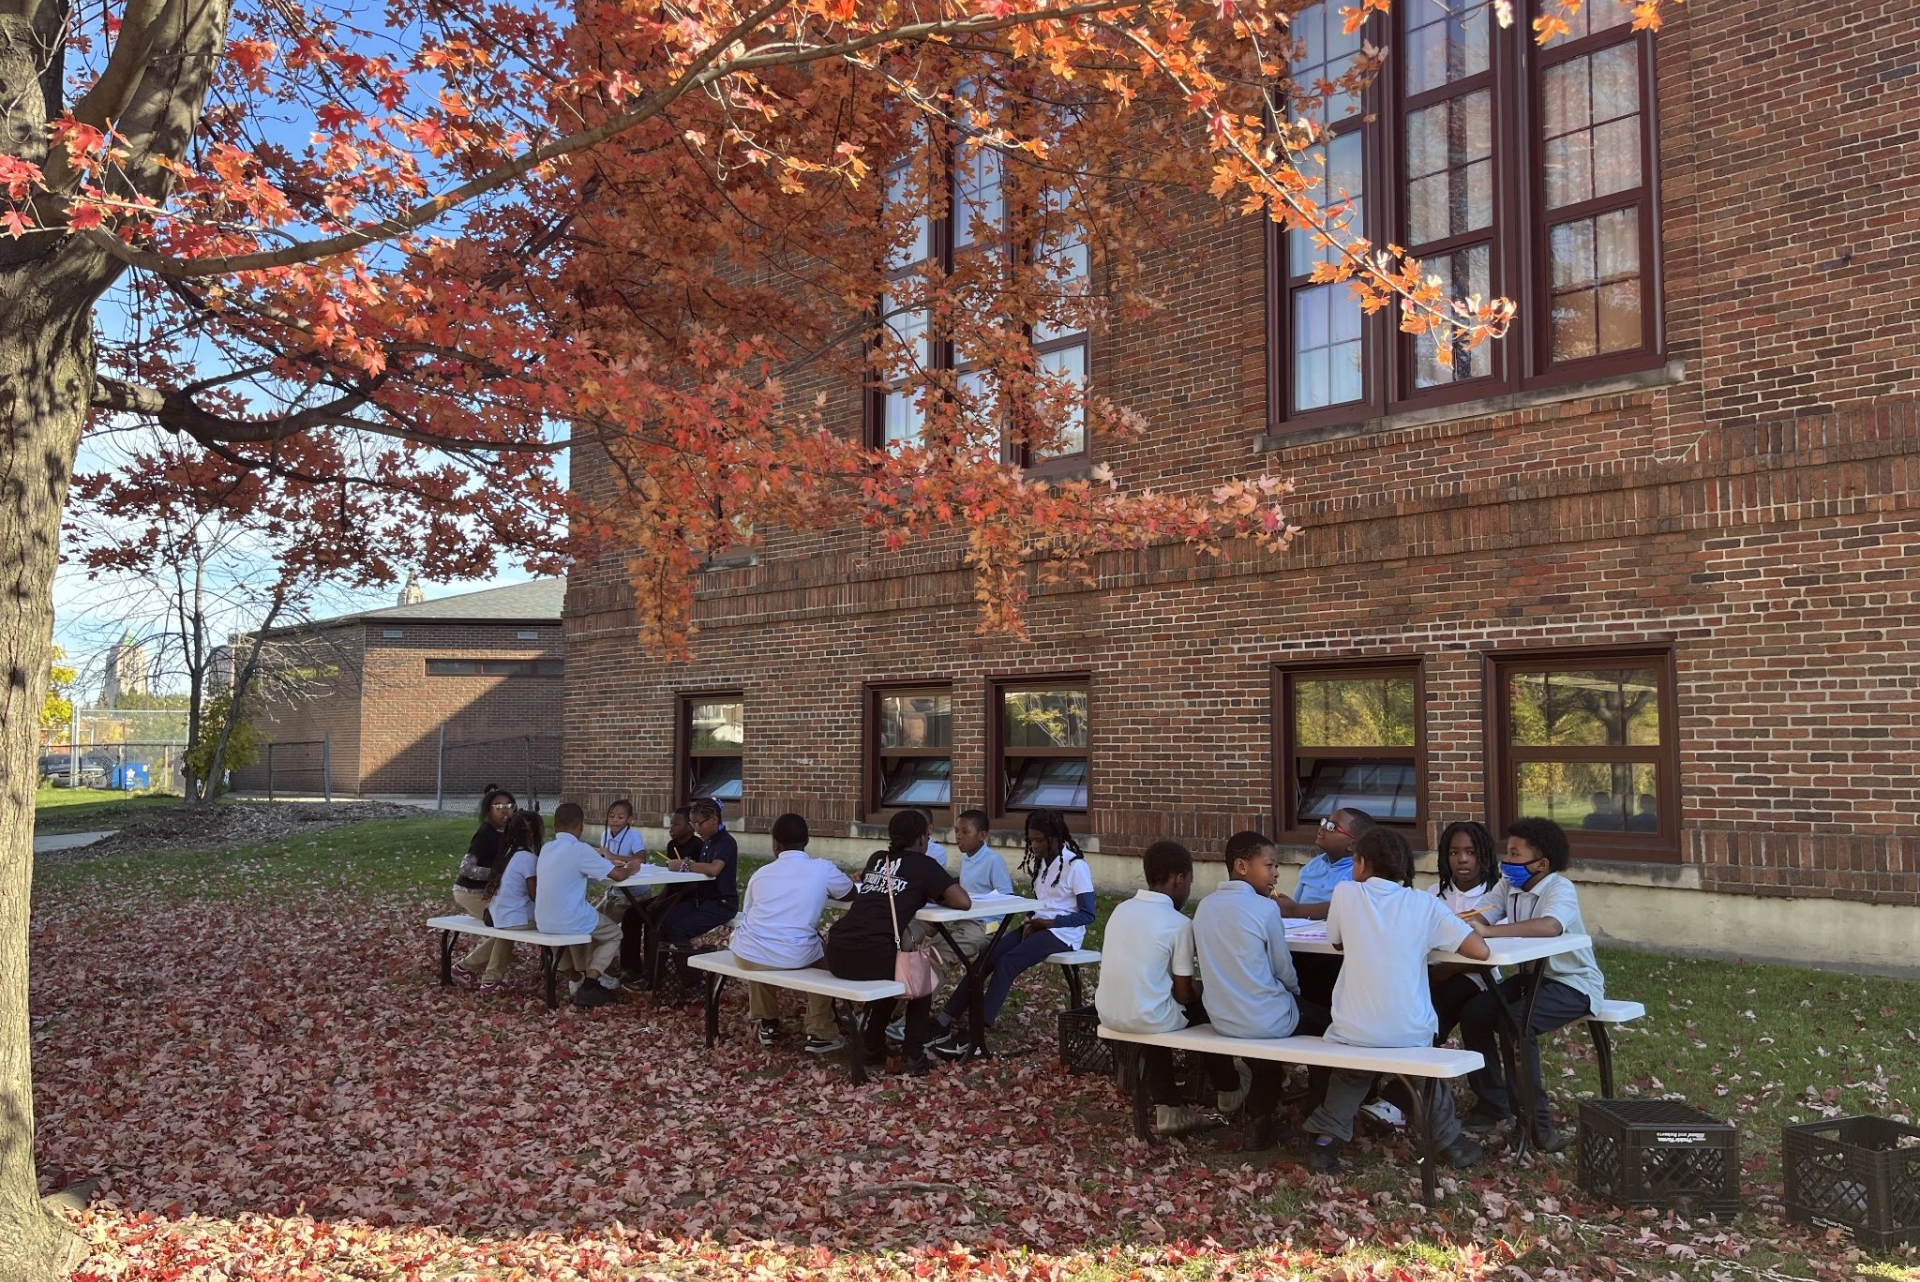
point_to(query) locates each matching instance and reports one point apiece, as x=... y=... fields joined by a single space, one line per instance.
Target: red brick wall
x=1755 y=507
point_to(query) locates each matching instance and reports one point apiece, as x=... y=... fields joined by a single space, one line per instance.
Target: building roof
x=537 y=601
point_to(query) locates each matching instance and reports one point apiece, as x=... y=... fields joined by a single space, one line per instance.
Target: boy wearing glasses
x=1331 y=867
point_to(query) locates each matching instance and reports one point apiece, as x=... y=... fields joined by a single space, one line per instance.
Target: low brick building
x=1647 y=566
x=446 y=695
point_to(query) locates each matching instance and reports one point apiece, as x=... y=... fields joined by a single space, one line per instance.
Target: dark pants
x=1157 y=1063
x=1317 y=973
x=1450 y=997
x=1010 y=957
x=1556 y=1006
x=876 y=962
x=691 y=918
x=1270 y=1078
x=640 y=929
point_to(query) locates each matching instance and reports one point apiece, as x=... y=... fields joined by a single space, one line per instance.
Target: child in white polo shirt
x=1386 y=929
x=780 y=930
x=1147 y=984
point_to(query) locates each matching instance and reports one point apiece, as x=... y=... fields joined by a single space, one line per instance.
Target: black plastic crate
x=1659 y=1153
x=1860 y=1173
x=1081 y=1047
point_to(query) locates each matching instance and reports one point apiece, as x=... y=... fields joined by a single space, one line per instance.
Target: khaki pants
x=595 y=957
x=970 y=935
x=491 y=959
x=763 y=1002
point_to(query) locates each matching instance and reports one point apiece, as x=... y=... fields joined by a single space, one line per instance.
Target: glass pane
x=1069 y=364
x=1591 y=125
x=1322 y=51
x=452 y=668
x=1046 y=783
x=1385 y=788
x=716 y=726
x=716 y=777
x=980 y=404
x=977 y=209
x=1354 y=712
x=1446 y=41
x=1450 y=168
x=1592 y=796
x=1064 y=272
x=1326 y=347
x=1594 y=15
x=1340 y=196
x=1594 y=265
x=904 y=418
x=1045 y=718
x=916 y=721
x=1600 y=707
x=919 y=232
x=1464 y=272
x=915 y=781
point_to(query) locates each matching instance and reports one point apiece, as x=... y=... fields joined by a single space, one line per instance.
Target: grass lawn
x=253 y=1051
x=58 y=810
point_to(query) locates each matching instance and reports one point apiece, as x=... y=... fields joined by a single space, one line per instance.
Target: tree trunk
x=47 y=294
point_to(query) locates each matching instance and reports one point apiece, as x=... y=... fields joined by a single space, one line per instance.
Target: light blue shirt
x=1246 y=972
x=982 y=871
x=1320 y=876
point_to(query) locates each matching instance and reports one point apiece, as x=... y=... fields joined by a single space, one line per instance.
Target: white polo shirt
x=780 y=919
x=1387 y=930
x=1148 y=942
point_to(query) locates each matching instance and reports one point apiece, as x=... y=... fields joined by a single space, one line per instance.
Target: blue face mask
x=1517 y=875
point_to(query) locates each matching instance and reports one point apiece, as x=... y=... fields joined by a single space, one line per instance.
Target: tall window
x=961 y=215
x=1351 y=737
x=912 y=748
x=713 y=739
x=1506 y=169
x=1040 y=755
x=1588 y=742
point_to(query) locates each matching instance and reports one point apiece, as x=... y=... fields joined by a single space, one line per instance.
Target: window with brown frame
x=1350 y=737
x=969 y=219
x=911 y=748
x=712 y=738
x=1507 y=168
x=1040 y=745
x=495 y=667
x=1588 y=740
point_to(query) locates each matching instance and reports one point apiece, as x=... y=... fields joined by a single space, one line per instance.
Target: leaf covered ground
x=251 y=1052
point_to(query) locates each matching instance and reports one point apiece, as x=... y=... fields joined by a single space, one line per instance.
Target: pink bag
x=913 y=968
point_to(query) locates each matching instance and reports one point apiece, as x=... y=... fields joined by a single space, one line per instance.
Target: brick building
x=1648 y=566
x=453 y=694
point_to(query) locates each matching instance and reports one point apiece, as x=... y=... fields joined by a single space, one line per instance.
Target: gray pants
x=1347 y=1091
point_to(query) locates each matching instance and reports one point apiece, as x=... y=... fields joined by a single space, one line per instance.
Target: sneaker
x=1177 y=1119
x=1463 y=1153
x=876 y=1058
x=1323 y=1155
x=1385 y=1114
x=462 y=975
x=1548 y=1140
x=1263 y=1133
x=897 y=1030
x=769 y=1031
x=492 y=990
x=824 y=1045
x=1230 y=1101
x=918 y=1066
x=610 y=982
x=1482 y=1118
x=573 y=987
x=952 y=1044
x=591 y=995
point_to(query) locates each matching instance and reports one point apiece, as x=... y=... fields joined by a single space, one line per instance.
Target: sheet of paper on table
x=988 y=896
x=1305 y=928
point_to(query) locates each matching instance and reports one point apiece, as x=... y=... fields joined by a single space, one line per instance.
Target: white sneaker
x=1177 y=1119
x=897 y=1030
x=573 y=987
x=1230 y=1101
x=1386 y=1114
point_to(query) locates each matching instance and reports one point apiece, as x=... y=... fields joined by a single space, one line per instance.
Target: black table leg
x=1603 y=1052
x=976 y=983
x=1142 y=1100
x=714 y=981
x=1518 y=1034
x=1074 y=996
x=1422 y=1102
x=446 y=956
x=550 y=972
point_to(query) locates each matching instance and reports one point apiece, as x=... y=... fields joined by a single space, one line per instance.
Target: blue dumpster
x=131 y=777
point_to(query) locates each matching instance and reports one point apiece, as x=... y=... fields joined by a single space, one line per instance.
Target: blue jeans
x=1012 y=955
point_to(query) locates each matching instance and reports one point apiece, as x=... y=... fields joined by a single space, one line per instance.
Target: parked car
x=58 y=769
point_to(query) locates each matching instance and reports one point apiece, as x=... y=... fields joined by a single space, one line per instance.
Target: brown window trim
x=685 y=754
x=1285 y=802
x=1518 y=267
x=996 y=807
x=874 y=757
x=515 y=669
x=1658 y=847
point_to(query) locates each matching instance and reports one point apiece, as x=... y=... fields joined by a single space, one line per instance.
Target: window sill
x=729 y=561
x=1667 y=375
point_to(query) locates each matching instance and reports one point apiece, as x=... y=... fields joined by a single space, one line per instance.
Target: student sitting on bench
x=780 y=930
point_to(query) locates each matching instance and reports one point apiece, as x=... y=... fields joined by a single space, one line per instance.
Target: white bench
x=1610 y=1012
x=1070 y=963
x=1426 y=1064
x=723 y=965
x=458 y=924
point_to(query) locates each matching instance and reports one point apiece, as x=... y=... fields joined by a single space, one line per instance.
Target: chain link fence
x=526 y=765
x=127 y=767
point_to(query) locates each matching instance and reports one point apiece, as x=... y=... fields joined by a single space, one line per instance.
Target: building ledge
x=1667 y=375
x=1005 y=840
